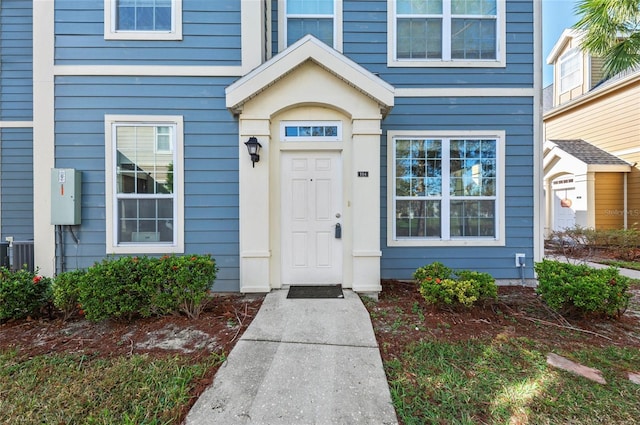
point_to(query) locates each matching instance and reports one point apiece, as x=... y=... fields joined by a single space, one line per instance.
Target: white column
x=255 y=252
x=366 y=205
x=43 y=135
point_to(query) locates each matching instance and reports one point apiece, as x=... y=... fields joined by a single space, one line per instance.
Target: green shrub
x=117 y=288
x=435 y=270
x=439 y=284
x=140 y=286
x=182 y=284
x=22 y=293
x=570 y=288
x=66 y=291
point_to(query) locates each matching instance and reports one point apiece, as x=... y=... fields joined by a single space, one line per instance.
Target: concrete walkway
x=301 y=361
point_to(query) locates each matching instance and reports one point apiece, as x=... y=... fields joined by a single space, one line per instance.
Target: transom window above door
x=143 y=19
x=441 y=32
x=311 y=131
x=320 y=18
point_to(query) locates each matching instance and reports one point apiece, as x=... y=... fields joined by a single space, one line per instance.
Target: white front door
x=311 y=209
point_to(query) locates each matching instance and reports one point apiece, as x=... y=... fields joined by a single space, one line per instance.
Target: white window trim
x=111 y=215
x=498 y=240
x=110 y=32
x=571 y=54
x=336 y=138
x=282 y=25
x=501 y=34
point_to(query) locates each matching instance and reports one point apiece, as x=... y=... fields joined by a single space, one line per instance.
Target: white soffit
x=306 y=49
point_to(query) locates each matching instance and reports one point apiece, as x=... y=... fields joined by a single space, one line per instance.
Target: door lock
x=338 y=233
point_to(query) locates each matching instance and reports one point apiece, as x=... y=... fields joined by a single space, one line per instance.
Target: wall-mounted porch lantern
x=254 y=149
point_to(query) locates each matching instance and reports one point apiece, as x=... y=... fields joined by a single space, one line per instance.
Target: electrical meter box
x=66 y=185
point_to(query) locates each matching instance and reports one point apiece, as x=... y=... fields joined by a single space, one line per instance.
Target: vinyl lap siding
x=513 y=115
x=211 y=37
x=609 y=202
x=365 y=42
x=16 y=183
x=16 y=90
x=611 y=123
x=211 y=158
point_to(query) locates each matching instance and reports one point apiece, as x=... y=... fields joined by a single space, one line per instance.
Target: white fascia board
x=565 y=37
x=466 y=92
x=609 y=168
x=147 y=70
x=16 y=124
x=309 y=48
x=593 y=95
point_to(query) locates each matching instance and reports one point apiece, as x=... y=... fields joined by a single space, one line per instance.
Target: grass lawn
x=77 y=389
x=507 y=381
x=488 y=364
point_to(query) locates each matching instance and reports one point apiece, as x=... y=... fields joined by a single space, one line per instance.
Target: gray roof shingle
x=588 y=153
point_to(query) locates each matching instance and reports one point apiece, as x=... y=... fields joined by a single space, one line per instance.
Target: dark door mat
x=317 y=291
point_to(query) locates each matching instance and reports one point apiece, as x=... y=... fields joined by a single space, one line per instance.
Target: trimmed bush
x=570 y=289
x=66 y=291
x=117 y=288
x=439 y=284
x=141 y=286
x=22 y=293
x=182 y=284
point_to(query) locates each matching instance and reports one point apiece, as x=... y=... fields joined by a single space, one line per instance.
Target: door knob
x=338 y=215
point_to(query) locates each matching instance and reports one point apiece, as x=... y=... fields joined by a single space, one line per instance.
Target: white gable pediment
x=309 y=49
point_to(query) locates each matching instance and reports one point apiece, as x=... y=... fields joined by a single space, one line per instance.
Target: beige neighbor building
x=592 y=142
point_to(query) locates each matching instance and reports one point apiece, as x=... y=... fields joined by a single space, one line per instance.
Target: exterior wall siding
x=633 y=198
x=365 y=42
x=211 y=37
x=210 y=149
x=16 y=90
x=16 y=184
x=610 y=123
x=513 y=115
x=609 y=200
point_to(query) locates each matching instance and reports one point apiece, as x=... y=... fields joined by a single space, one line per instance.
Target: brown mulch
x=401 y=316
x=216 y=330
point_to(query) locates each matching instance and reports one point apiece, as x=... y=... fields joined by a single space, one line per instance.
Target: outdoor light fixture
x=254 y=149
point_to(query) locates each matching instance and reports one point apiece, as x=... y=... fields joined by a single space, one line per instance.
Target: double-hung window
x=144 y=184
x=320 y=18
x=143 y=19
x=445 y=189
x=570 y=70
x=446 y=32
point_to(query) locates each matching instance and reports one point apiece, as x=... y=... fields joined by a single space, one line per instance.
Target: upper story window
x=446 y=32
x=320 y=18
x=143 y=19
x=144 y=184
x=445 y=189
x=570 y=65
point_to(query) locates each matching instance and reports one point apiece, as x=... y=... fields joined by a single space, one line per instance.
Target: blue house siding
x=16 y=183
x=365 y=42
x=514 y=115
x=16 y=90
x=210 y=158
x=211 y=37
